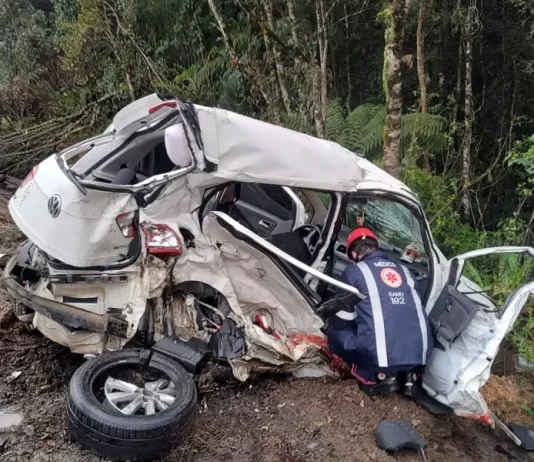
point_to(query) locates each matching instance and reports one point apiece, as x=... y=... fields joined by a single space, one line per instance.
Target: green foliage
x=298 y=122
x=362 y=130
x=213 y=79
x=437 y=196
x=522 y=336
x=527 y=409
x=500 y=274
x=23 y=41
x=523 y=156
x=424 y=131
x=335 y=119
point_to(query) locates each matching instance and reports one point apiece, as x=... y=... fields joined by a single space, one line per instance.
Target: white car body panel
x=85 y=233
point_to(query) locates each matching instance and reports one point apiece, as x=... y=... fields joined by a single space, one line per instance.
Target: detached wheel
x=124 y=409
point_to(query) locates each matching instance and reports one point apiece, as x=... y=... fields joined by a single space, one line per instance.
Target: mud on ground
x=271 y=419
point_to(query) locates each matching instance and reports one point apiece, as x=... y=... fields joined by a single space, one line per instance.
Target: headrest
x=176 y=145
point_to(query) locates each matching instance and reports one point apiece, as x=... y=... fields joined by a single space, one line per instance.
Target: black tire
x=97 y=426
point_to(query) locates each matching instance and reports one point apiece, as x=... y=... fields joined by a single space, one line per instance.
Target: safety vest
x=390 y=324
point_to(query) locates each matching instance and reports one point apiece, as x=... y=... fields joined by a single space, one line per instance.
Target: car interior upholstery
x=141 y=159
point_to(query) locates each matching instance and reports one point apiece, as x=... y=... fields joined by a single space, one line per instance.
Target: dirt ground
x=268 y=420
x=271 y=419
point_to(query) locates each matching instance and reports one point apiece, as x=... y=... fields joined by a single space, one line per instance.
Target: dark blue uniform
x=388 y=331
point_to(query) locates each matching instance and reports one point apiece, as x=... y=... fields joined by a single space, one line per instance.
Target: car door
x=469 y=327
x=83 y=220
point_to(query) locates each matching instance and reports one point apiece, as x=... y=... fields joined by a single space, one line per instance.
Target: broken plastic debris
x=393 y=435
x=523 y=364
x=9 y=418
x=525 y=435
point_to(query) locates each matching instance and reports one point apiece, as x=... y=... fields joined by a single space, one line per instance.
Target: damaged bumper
x=62 y=313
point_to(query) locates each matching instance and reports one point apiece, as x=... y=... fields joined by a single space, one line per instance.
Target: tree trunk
x=316 y=84
x=421 y=68
x=292 y=16
x=322 y=41
x=130 y=86
x=324 y=69
x=469 y=118
x=277 y=59
x=222 y=28
x=396 y=16
x=347 y=58
x=451 y=150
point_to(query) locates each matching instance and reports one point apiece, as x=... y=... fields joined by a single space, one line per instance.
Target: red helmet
x=360 y=233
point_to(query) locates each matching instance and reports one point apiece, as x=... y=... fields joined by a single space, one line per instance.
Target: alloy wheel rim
x=130 y=399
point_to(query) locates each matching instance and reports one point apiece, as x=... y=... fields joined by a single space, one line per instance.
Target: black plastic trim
x=192 y=354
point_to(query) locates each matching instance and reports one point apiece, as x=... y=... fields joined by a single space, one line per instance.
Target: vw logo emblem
x=54 y=205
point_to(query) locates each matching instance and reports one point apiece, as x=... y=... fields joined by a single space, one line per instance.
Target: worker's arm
x=346 y=311
x=341 y=305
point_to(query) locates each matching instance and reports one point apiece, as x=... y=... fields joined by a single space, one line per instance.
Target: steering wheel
x=312 y=230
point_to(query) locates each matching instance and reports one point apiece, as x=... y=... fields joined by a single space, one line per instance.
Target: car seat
x=125 y=176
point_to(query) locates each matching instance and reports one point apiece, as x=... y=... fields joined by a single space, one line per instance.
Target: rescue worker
x=388 y=331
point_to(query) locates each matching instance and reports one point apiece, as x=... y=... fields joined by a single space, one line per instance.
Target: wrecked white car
x=195 y=233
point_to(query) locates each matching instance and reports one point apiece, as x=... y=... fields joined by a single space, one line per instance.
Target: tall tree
x=395 y=18
x=469 y=113
x=421 y=68
x=323 y=44
x=273 y=47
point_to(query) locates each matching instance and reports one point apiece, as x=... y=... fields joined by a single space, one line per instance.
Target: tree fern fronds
x=335 y=120
x=355 y=131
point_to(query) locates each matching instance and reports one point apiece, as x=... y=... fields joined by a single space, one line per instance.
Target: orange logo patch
x=391 y=277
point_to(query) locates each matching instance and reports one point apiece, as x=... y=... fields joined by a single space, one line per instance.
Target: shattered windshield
x=396 y=225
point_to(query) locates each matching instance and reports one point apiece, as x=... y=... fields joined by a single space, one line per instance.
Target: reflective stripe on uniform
x=420 y=314
x=346 y=316
x=378 y=317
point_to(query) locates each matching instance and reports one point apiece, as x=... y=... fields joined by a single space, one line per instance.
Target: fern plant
x=363 y=129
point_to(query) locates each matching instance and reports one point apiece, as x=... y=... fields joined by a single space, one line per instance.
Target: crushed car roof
x=249 y=150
